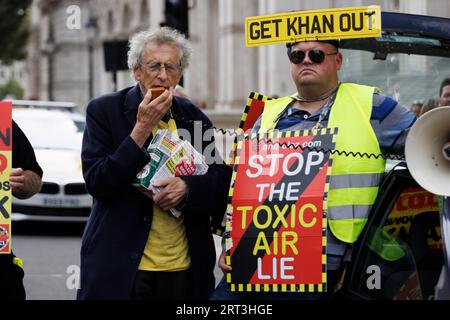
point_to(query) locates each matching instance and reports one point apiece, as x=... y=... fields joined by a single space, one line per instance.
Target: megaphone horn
x=427 y=151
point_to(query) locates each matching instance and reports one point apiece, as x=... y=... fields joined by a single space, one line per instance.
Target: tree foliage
x=11 y=89
x=14 y=29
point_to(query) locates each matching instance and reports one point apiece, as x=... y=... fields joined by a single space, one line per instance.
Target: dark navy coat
x=118 y=227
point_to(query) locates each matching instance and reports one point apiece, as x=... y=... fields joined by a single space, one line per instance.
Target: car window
x=406 y=78
x=403 y=244
x=51 y=131
x=80 y=125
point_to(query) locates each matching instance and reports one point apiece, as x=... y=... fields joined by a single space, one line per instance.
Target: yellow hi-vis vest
x=354 y=180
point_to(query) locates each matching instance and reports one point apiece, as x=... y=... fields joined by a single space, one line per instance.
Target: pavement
x=51 y=256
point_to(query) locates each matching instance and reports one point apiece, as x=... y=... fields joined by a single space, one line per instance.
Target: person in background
x=428 y=105
x=444 y=93
x=180 y=92
x=416 y=107
x=443 y=100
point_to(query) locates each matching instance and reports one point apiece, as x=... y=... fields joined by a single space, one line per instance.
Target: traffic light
x=177 y=15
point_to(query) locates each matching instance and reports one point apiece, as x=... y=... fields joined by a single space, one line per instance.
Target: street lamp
x=91 y=27
x=50 y=50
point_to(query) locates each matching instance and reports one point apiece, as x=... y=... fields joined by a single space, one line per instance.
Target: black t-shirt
x=22 y=152
x=22 y=157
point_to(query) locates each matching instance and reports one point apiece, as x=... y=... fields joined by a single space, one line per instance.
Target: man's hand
x=221 y=263
x=173 y=191
x=24 y=183
x=149 y=114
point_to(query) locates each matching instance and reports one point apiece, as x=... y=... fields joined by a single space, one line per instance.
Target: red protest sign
x=253 y=109
x=276 y=218
x=5 y=168
x=5 y=238
x=5 y=126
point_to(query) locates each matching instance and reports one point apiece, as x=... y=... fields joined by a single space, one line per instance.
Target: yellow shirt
x=167 y=246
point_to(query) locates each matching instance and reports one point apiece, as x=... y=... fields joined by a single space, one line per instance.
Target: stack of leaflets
x=169 y=157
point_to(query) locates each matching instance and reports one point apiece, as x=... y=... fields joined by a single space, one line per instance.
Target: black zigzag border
x=247 y=287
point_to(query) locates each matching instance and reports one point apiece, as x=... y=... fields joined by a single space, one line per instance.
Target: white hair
x=164 y=35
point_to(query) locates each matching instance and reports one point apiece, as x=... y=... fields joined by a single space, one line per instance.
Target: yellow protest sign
x=310 y=25
x=416 y=211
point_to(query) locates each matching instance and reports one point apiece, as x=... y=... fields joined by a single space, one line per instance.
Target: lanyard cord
x=326 y=108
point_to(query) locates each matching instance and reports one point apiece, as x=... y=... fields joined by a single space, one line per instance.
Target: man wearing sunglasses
x=368 y=122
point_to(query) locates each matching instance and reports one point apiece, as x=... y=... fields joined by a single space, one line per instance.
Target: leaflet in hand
x=170 y=157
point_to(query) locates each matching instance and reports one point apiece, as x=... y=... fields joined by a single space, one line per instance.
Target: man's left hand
x=173 y=191
x=24 y=183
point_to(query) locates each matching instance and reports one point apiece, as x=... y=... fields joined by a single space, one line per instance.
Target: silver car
x=55 y=134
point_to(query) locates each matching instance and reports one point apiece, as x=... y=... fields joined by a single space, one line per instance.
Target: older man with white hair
x=132 y=247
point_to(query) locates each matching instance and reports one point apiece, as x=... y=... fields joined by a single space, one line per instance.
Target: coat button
x=146 y=219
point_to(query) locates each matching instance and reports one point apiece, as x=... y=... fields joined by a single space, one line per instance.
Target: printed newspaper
x=169 y=157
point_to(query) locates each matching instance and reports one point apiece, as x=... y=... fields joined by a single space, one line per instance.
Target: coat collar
x=132 y=100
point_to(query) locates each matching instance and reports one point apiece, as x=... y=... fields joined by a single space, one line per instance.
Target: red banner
x=276 y=218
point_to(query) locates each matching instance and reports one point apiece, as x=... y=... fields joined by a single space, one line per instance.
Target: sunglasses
x=316 y=56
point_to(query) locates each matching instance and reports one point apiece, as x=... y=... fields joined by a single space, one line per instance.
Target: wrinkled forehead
x=445 y=90
x=310 y=45
x=156 y=50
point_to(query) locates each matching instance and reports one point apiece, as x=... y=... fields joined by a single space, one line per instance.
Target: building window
x=110 y=21
x=126 y=17
x=144 y=12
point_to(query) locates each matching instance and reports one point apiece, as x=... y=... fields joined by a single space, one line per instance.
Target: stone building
x=68 y=64
x=16 y=71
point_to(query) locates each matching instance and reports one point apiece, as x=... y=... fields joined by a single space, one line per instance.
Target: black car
x=401 y=253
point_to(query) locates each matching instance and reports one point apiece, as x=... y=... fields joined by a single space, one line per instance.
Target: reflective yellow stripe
x=359 y=180
x=349 y=212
